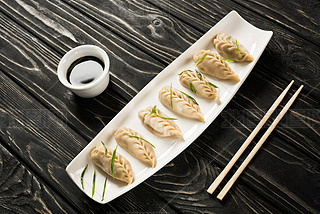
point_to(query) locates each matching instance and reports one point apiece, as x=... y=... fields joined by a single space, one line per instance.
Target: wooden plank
x=300 y=17
x=256 y=70
x=47 y=21
x=23 y=192
x=32 y=63
x=281 y=168
x=142 y=25
x=183 y=183
x=196 y=15
x=287 y=56
x=280 y=178
x=47 y=144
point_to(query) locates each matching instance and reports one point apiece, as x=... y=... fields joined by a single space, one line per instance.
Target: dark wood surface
x=44 y=125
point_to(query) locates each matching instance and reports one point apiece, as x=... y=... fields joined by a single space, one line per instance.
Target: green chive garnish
x=213 y=85
x=93 y=182
x=229 y=37
x=171 y=96
x=183 y=71
x=104 y=189
x=230 y=60
x=82 y=175
x=190 y=97
x=199 y=74
x=238 y=47
x=155 y=113
x=105 y=149
x=140 y=138
x=112 y=161
x=199 y=60
x=192 y=87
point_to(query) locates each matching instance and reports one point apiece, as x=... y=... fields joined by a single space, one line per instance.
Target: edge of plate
x=232 y=13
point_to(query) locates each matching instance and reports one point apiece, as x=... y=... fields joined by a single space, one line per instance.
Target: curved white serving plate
x=168 y=148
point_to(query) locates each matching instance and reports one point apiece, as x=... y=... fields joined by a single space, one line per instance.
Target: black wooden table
x=44 y=125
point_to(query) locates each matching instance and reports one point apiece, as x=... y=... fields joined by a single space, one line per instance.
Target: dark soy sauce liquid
x=84 y=70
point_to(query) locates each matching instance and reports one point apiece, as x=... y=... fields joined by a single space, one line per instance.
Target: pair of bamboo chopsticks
x=218 y=180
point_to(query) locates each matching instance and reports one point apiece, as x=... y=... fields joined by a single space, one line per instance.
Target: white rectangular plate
x=254 y=39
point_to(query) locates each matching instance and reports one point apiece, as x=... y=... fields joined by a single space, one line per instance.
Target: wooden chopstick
x=225 y=171
x=257 y=146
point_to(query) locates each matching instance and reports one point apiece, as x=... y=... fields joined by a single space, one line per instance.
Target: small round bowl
x=93 y=88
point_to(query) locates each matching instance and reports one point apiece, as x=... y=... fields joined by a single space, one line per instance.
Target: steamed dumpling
x=158 y=125
x=230 y=48
x=133 y=143
x=180 y=103
x=213 y=64
x=122 y=167
x=199 y=83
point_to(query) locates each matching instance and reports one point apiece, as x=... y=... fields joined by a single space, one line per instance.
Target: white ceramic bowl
x=93 y=88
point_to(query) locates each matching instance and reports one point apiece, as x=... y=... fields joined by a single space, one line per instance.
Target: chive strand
x=199 y=74
x=155 y=113
x=238 y=47
x=93 y=182
x=105 y=149
x=213 y=85
x=229 y=60
x=192 y=87
x=104 y=188
x=140 y=138
x=194 y=100
x=82 y=175
x=199 y=60
x=112 y=160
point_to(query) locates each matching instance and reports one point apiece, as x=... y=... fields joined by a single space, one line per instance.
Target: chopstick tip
x=220 y=197
x=300 y=88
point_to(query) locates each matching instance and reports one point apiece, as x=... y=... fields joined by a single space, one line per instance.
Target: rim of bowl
x=62 y=74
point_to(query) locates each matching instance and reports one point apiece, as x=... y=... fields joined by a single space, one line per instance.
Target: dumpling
x=136 y=145
x=198 y=84
x=180 y=103
x=230 y=48
x=122 y=167
x=158 y=122
x=212 y=64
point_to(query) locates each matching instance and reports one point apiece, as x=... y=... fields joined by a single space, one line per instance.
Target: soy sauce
x=85 y=70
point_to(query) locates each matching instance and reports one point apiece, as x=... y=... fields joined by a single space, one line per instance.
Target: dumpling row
x=200 y=83
x=157 y=122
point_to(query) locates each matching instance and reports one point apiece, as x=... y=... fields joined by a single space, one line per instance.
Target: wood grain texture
x=34 y=59
x=62 y=28
x=22 y=192
x=46 y=145
x=142 y=25
x=287 y=55
x=184 y=181
x=32 y=65
x=300 y=17
x=142 y=38
x=285 y=46
x=280 y=159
